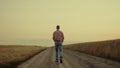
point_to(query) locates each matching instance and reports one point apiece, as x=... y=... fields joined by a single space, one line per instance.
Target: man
x=58 y=38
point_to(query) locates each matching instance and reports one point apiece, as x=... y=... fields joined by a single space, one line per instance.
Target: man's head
x=57 y=27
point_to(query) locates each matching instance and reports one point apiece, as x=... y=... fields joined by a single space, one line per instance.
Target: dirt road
x=71 y=59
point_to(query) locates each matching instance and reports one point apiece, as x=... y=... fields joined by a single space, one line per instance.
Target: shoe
x=61 y=61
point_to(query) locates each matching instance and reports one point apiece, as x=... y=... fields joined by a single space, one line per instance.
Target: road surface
x=71 y=59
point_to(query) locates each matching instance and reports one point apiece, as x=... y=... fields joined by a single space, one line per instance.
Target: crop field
x=10 y=56
x=108 y=49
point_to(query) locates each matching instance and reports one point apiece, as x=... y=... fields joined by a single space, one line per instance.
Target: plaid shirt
x=58 y=36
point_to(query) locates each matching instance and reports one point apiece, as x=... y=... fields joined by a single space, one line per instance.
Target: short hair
x=57 y=27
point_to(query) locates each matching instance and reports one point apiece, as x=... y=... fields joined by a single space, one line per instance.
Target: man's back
x=58 y=36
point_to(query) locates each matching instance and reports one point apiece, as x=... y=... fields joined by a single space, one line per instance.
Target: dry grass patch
x=10 y=56
x=107 y=49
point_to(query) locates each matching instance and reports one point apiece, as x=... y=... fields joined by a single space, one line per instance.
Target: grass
x=108 y=49
x=11 y=56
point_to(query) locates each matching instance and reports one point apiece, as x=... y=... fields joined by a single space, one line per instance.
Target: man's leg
x=60 y=48
x=56 y=47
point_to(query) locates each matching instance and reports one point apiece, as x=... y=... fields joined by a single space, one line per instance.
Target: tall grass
x=10 y=56
x=107 y=49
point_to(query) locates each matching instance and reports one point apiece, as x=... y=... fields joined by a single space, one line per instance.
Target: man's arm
x=62 y=37
x=53 y=37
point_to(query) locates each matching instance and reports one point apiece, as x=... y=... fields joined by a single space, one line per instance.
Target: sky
x=32 y=22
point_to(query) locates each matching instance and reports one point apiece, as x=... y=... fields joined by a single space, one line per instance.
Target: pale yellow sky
x=80 y=20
